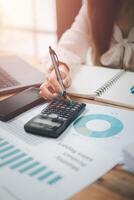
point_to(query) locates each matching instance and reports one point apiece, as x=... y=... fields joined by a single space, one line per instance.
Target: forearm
x=74 y=43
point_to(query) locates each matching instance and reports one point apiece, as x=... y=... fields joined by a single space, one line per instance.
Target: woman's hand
x=51 y=87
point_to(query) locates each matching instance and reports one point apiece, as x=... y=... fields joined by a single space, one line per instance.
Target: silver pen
x=55 y=62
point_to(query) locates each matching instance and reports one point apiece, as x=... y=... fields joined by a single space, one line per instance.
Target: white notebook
x=103 y=84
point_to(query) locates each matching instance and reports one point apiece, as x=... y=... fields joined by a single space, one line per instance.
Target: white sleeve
x=74 y=43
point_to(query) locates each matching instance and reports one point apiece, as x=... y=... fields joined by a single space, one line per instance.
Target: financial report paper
x=61 y=167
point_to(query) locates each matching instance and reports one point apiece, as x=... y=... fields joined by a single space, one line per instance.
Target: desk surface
x=115 y=185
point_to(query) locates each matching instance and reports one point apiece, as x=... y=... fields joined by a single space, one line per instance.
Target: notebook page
x=120 y=92
x=87 y=79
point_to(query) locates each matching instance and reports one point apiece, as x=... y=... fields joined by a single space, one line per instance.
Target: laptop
x=16 y=75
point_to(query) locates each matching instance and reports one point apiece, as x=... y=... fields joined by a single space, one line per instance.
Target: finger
x=62 y=73
x=62 y=67
x=51 y=82
x=51 y=85
x=46 y=92
x=42 y=85
x=54 y=83
x=49 y=69
x=48 y=85
x=67 y=81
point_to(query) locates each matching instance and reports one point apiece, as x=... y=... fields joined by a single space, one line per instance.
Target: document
x=59 y=168
x=114 y=86
x=55 y=170
x=15 y=127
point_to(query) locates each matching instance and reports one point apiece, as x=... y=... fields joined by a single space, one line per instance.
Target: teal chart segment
x=17 y=160
x=115 y=126
x=132 y=90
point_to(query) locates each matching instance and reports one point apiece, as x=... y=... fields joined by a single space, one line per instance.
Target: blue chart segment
x=16 y=159
x=132 y=90
x=115 y=126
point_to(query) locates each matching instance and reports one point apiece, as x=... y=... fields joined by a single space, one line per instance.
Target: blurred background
x=28 y=27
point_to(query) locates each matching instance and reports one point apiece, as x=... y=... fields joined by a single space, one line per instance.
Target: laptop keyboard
x=6 y=80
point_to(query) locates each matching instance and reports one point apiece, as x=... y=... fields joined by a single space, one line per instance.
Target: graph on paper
x=15 y=127
x=98 y=125
x=21 y=162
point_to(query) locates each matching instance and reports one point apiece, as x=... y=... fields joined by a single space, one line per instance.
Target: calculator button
x=62 y=118
x=53 y=116
x=43 y=115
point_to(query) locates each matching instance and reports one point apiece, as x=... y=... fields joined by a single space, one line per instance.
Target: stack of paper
x=129 y=157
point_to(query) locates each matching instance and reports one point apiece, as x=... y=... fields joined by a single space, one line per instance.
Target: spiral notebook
x=114 y=86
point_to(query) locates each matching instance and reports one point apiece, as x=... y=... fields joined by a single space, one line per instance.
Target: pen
x=55 y=62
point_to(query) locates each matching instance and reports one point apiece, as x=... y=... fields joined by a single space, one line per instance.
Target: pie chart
x=98 y=125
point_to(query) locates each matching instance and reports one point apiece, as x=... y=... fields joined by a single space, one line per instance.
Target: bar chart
x=16 y=159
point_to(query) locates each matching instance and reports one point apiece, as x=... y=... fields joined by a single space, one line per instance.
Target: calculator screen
x=47 y=122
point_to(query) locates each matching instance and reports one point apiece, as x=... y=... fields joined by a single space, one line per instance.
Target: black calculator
x=55 y=118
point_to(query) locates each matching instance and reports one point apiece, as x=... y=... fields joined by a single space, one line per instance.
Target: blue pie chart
x=115 y=126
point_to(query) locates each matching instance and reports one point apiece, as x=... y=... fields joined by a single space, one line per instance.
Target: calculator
x=55 y=118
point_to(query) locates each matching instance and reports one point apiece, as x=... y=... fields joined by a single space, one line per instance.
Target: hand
x=51 y=87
